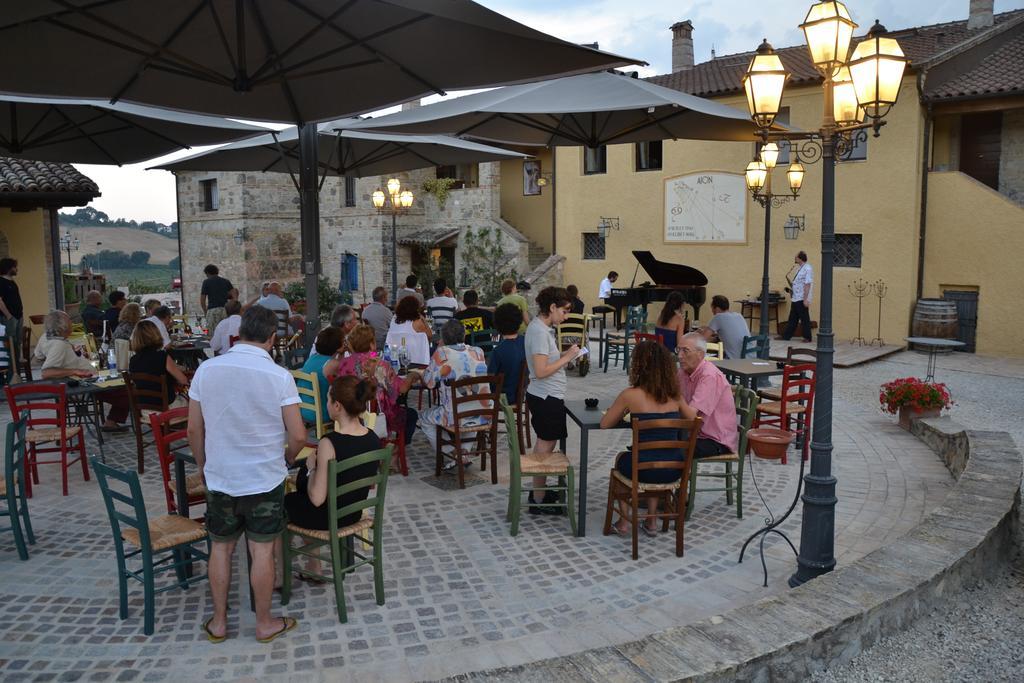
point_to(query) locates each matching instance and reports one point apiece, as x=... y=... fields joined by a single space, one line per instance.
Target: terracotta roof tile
x=22 y=175
x=1001 y=72
x=723 y=75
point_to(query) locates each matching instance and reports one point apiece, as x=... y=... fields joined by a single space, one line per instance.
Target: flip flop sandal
x=289 y=624
x=650 y=532
x=309 y=579
x=210 y=635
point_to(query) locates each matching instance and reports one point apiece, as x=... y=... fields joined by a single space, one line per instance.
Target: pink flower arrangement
x=914 y=393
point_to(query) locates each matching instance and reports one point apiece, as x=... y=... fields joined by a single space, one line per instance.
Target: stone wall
x=266 y=207
x=1011 y=156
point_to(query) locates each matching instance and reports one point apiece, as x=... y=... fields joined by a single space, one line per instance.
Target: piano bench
x=602 y=311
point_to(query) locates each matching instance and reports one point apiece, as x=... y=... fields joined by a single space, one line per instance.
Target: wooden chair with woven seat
x=12 y=488
x=308 y=386
x=143 y=401
x=793 y=353
x=754 y=346
x=25 y=366
x=618 y=344
x=396 y=435
x=715 y=351
x=671 y=496
x=482 y=339
x=340 y=540
x=38 y=401
x=746 y=407
x=170 y=434
x=521 y=409
x=572 y=330
x=472 y=397
x=536 y=464
x=792 y=412
x=171 y=535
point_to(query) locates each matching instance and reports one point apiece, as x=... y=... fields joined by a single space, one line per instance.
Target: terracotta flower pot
x=908 y=413
x=769 y=443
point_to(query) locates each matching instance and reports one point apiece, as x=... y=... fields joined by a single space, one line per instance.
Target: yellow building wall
x=974 y=240
x=26 y=240
x=878 y=198
x=529 y=214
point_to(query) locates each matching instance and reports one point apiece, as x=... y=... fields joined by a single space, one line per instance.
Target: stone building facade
x=248 y=224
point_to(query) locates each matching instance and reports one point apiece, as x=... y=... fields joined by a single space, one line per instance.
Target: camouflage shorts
x=260 y=516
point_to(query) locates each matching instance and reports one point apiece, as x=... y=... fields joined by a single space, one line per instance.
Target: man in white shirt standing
x=227 y=328
x=244 y=429
x=800 y=306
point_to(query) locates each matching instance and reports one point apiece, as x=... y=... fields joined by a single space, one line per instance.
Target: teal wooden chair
x=755 y=346
x=618 y=344
x=173 y=536
x=482 y=339
x=539 y=465
x=746 y=408
x=12 y=488
x=340 y=541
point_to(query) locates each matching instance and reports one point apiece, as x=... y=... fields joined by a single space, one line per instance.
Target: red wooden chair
x=644 y=336
x=396 y=435
x=232 y=340
x=170 y=433
x=37 y=401
x=792 y=412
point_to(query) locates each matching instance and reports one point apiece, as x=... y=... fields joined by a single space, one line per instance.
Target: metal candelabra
x=859 y=289
x=880 y=290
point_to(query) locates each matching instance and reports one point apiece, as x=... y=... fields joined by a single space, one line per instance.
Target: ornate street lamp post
x=395 y=201
x=759 y=181
x=864 y=84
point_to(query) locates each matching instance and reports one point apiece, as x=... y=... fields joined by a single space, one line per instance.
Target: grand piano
x=668 y=278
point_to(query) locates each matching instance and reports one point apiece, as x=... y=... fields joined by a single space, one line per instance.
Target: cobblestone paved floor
x=461 y=593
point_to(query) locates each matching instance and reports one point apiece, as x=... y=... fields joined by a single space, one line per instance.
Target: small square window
x=211 y=198
x=595 y=160
x=350 y=191
x=848 y=250
x=593 y=247
x=649 y=155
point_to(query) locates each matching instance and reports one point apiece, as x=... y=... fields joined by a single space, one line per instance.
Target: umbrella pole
x=310 y=225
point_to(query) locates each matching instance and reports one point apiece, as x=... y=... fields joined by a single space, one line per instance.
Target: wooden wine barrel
x=936 y=318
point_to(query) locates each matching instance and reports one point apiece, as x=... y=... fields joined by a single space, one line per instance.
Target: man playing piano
x=605 y=290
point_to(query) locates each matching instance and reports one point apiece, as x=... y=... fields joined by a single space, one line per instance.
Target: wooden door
x=980 y=140
x=967 y=310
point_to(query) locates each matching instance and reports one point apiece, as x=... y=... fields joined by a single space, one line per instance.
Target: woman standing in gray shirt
x=545 y=395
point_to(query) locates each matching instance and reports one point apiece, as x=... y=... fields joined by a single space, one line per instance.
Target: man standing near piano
x=800 y=308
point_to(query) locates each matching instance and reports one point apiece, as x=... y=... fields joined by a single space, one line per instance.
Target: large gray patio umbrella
x=588 y=110
x=86 y=131
x=344 y=153
x=294 y=61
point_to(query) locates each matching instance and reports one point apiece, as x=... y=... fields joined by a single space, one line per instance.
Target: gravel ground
x=977 y=635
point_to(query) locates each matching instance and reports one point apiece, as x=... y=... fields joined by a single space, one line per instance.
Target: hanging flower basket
x=912 y=398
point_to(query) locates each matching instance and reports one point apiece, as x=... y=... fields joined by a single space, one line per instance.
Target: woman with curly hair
x=407 y=317
x=653 y=394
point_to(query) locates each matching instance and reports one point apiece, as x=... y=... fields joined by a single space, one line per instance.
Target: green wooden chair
x=482 y=339
x=618 y=344
x=340 y=541
x=536 y=464
x=754 y=347
x=174 y=535
x=12 y=487
x=746 y=408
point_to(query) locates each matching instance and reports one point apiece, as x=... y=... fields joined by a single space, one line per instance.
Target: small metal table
x=933 y=345
x=189 y=354
x=748 y=370
x=586 y=419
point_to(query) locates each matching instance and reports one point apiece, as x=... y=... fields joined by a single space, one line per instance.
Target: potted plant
x=912 y=398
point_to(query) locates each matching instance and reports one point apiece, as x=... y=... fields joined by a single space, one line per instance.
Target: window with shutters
x=211 y=198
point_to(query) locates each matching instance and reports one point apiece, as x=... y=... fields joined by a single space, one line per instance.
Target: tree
x=139 y=258
x=487 y=263
x=175 y=263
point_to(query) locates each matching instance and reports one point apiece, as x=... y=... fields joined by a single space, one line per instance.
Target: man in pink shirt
x=707 y=394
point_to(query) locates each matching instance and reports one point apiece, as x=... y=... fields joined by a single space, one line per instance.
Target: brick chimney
x=980 y=15
x=682 y=46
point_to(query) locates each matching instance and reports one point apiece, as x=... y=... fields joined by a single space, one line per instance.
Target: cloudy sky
x=636 y=29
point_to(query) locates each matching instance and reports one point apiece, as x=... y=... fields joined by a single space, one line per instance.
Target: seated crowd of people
x=236 y=432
